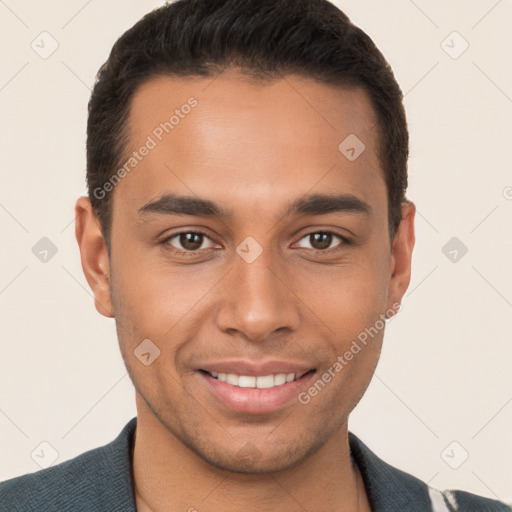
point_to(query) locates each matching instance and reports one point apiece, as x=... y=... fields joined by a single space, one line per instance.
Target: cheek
x=154 y=300
x=346 y=297
x=348 y=304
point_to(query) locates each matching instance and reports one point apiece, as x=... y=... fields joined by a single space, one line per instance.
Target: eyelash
x=343 y=242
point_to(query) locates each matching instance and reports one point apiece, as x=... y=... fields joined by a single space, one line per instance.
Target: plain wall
x=444 y=374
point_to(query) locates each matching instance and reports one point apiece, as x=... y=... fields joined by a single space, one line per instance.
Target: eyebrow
x=172 y=204
x=322 y=204
x=316 y=204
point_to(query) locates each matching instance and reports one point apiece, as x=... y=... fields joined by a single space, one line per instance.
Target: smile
x=250 y=381
x=260 y=393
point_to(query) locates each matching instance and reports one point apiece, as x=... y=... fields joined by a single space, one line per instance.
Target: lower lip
x=255 y=400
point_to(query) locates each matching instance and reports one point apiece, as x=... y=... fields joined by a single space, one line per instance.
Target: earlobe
x=401 y=256
x=94 y=256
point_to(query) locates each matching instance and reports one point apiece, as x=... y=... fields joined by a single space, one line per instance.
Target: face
x=246 y=244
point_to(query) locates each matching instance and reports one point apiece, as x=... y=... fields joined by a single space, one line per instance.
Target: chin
x=249 y=458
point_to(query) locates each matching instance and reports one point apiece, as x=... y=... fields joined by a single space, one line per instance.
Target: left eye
x=190 y=241
x=319 y=241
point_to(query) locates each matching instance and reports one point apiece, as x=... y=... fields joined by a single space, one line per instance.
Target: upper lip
x=255 y=369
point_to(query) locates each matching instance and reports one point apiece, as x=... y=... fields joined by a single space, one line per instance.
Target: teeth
x=280 y=379
x=248 y=381
x=243 y=381
x=265 y=382
x=232 y=379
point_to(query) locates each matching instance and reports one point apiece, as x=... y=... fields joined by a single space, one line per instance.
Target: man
x=246 y=225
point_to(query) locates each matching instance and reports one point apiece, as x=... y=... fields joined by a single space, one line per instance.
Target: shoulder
x=391 y=489
x=97 y=480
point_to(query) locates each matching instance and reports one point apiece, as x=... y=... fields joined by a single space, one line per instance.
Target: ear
x=94 y=256
x=401 y=255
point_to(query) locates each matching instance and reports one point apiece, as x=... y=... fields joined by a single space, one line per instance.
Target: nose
x=258 y=299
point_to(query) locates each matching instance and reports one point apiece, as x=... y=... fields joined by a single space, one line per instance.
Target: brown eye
x=322 y=241
x=191 y=241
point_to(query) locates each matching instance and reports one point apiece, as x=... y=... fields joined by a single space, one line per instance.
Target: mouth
x=254 y=394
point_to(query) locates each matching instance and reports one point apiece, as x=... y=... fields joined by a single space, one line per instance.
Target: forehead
x=240 y=138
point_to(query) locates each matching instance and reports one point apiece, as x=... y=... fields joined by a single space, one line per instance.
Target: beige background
x=445 y=372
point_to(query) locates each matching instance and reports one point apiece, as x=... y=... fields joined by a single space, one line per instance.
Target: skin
x=254 y=147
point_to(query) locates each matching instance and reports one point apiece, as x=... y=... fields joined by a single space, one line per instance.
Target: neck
x=170 y=476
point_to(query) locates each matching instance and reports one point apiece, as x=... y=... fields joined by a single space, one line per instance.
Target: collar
x=388 y=488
